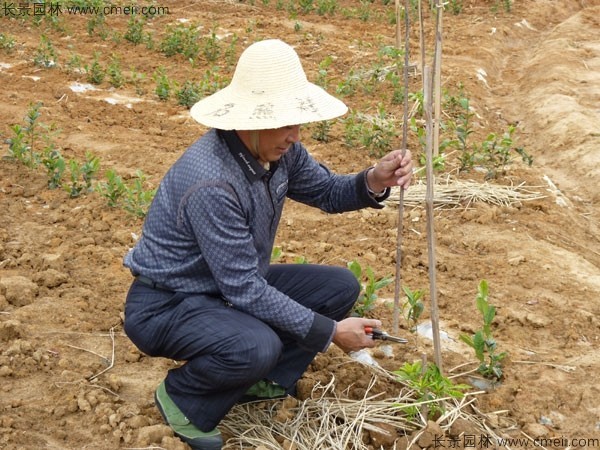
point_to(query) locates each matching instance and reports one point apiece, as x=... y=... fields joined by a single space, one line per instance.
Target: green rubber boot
x=263 y=390
x=183 y=428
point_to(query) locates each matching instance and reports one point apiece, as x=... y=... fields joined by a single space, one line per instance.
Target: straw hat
x=269 y=90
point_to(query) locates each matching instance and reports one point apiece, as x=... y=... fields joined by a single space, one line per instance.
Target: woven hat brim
x=231 y=110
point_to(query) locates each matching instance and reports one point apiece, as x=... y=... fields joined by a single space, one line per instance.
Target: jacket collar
x=247 y=162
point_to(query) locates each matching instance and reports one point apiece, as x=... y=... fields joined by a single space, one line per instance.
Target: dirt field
x=70 y=378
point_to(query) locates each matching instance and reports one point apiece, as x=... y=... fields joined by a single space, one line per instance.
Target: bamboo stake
x=435 y=328
x=421 y=36
x=437 y=77
x=398 y=278
x=398 y=33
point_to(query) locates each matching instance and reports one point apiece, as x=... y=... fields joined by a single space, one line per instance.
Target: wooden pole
x=437 y=77
x=421 y=36
x=435 y=327
x=398 y=278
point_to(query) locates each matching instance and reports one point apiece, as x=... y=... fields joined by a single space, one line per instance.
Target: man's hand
x=391 y=170
x=350 y=333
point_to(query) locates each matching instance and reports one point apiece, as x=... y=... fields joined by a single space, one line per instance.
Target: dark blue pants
x=227 y=351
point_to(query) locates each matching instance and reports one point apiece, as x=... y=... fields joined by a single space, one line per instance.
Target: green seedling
x=45 y=55
x=276 y=254
x=114 y=72
x=137 y=80
x=413 y=308
x=95 y=72
x=137 y=198
x=7 y=42
x=189 y=93
x=82 y=175
x=430 y=386
x=55 y=166
x=112 y=189
x=321 y=130
x=368 y=294
x=495 y=153
x=21 y=146
x=326 y=7
x=135 y=29
x=211 y=47
x=163 y=84
x=181 y=39
x=482 y=342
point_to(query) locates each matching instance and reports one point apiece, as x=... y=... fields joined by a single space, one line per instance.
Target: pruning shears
x=376 y=333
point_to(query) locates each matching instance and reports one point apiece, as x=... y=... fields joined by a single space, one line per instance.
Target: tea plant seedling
x=55 y=166
x=7 y=42
x=45 y=55
x=114 y=72
x=413 y=307
x=429 y=385
x=482 y=341
x=82 y=175
x=189 y=93
x=368 y=294
x=137 y=198
x=163 y=84
x=95 y=72
x=21 y=145
x=112 y=189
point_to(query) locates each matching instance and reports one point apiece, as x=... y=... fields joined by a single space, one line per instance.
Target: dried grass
x=455 y=194
x=326 y=421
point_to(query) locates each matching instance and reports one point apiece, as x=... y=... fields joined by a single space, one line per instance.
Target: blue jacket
x=211 y=227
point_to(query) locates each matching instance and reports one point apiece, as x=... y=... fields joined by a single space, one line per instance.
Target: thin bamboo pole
x=421 y=36
x=398 y=278
x=437 y=77
x=435 y=327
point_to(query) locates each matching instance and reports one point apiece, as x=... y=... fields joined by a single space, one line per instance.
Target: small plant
x=368 y=295
x=455 y=6
x=211 y=48
x=22 y=145
x=45 y=55
x=413 y=308
x=137 y=198
x=55 y=166
x=163 y=84
x=374 y=132
x=82 y=175
x=135 y=29
x=181 y=39
x=321 y=130
x=276 y=254
x=114 y=72
x=74 y=64
x=495 y=152
x=95 y=72
x=326 y=7
x=137 y=79
x=482 y=341
x=112 y=189
x=189 y=93
x=7 y=42
x=430 y=385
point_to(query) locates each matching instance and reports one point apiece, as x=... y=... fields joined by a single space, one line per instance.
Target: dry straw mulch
x=328 y=422
x=456 y=193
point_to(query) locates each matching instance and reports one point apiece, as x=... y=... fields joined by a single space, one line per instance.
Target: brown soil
x=62 y=284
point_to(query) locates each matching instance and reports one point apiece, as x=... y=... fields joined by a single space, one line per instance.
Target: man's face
x=274 y=143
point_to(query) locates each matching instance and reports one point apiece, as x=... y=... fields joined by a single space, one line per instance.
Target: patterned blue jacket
x=211 y=227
